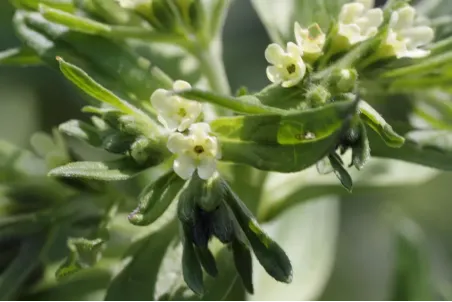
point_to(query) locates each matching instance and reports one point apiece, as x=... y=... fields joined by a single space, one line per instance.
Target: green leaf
x=156 y=198
x=82 y=131
x=138 y=277
x=82 y=80
x=432 y=148
x=245 y=104
x=286 y=143
x=23 y=56
x=341 y=172
x=289 y=129
x=74 y=22
x=309 y=234
x=244 y=264
x=191 y=268
x=84 y=253
x=107 y=171
x=361 y=150
x=16 y=163
x=207 y=260
x=15 y=275
x=375 y=121
x=270 y=255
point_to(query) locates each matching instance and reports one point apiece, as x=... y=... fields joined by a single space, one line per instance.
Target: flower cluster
x=357 y=22
x=189 y=139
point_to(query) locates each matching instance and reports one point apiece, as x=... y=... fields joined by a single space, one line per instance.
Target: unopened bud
x=317 y=95
x=343 y=80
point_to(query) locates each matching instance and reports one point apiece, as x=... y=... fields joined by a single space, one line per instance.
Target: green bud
x=212 y=192
x=343 y=80
x=139 y=150
x=118 y=142
x=156 y=198
x=317 y=95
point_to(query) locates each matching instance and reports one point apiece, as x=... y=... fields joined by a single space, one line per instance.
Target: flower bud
x=343 y=80
x=317 y=95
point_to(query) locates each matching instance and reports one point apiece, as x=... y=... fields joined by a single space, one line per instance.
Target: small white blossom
x=359 y=21
x=288 y=66
x=404 y=39
x=311 y=40
x=197 y=150
x=175 y=112
x=131 y=4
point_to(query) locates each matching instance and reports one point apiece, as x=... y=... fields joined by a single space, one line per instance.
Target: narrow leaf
x=23 y=56
x=73 y=22
x=191 y=268
x=244 y=264
x=106 y=171
x=82 y=80
x=156 y=198
x=82 y=131
x=245 y=104
x=374 y=120
x=270 y=255
x=207 y=260
x=341 y=172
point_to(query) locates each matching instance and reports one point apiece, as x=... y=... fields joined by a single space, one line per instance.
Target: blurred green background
x=37 y=99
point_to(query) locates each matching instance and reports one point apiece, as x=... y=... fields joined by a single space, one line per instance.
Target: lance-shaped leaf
x=340 y=171
x=361 y=150
x=244 y=104
x=284 y=143
x=137 y=279
x=270 y=255
x=107 y=171
x=23 y=56
x=156 y=198
x=74 y=22
x=244 y=264
x=82 y=80
x=432 y=148
x=207 y=260
x=82 y=131
x=191 y=267
x=375 y=121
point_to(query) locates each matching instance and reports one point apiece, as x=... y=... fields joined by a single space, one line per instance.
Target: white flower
x=358 y=21
x=311 y=40
x=288 y=66
x=173 y=111
x=197 y=150
x=404 y=39
x=131 y=4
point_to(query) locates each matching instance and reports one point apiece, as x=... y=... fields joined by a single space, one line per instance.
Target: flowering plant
x=196 y=168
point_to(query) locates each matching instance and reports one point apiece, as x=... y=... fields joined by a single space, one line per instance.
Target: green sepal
x=156 y=198
x=244 y=263
x=207 y=260
x=270 y=255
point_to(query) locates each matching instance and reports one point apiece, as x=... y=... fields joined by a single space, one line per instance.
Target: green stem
x=211 y=64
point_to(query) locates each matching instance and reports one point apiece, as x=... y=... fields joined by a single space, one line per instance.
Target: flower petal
x=159 y=100
x=273 y=53
x=294 y=50
x=350 y=12
x=207 y=167
x=351 y=32
x=178 y=143
x=273 y=74
x=418 y=36
x=368 y=4
x=181 y=85
x=184 y=166
x=402 y=18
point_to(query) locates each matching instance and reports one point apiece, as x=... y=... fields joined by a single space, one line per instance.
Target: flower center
x=198 y=149
x=182 y=112
x=291 y=68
